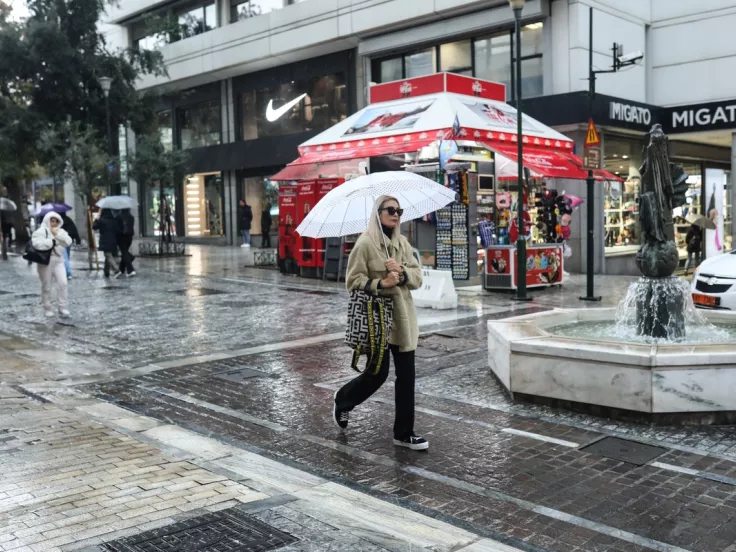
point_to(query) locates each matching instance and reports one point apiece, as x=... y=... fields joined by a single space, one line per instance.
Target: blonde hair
x=374 y=225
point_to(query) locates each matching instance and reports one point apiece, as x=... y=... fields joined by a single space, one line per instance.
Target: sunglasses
x=392 y=211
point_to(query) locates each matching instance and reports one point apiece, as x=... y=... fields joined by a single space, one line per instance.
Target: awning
x=364 y=148
x=310 y=171
x=544 y=163
x=339 y=160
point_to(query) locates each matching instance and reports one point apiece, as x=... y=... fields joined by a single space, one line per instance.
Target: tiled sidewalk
x=69 y=480
x=78 y=473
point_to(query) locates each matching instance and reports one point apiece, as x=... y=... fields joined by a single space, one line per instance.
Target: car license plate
x=706 y=300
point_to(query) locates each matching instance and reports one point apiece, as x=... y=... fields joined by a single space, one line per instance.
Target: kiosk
x=460 y=132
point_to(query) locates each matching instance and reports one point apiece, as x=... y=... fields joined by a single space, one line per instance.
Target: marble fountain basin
x=673 y=383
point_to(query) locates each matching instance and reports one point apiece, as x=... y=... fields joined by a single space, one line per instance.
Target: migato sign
x=702 y=117
x=630 y=113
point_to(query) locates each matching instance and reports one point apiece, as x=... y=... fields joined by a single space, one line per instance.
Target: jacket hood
x=374 y=225
x=47 y=219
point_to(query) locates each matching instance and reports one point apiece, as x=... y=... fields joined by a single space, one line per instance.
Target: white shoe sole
x=334 y=412
x=420 y=446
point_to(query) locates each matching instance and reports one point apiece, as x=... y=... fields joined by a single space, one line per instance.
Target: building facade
x=237 y=67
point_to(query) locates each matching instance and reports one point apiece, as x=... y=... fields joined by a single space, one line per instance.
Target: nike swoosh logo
x=275 y=114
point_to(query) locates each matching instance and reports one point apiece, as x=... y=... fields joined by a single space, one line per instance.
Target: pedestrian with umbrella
x=381 y=273
x=109 y=227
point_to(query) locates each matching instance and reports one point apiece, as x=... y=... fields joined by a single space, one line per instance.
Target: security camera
x=633 y=57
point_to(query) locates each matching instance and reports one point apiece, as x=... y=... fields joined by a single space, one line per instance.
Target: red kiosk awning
x=340 y=159
x=548 y=163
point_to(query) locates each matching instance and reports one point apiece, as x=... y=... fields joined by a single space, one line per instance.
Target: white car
x=714 y=283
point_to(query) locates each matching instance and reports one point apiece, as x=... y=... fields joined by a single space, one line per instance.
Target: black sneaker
x=339 y=416
x=413 y=443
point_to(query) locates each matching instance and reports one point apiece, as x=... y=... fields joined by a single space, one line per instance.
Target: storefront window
x=531 y=40
x=258 y=192
x=392 y=69
x=199 y=125
x=455 y=57
x=728 y=213
x=197 y=18
x=421 y=63
x=489 y=58
x=623 y=157
x=160 y=212
x=325 y=104
x=244 y=9
x=203 y=207
x=532 y=77
x=692 y=207
x=165 y=130
x=493 y=60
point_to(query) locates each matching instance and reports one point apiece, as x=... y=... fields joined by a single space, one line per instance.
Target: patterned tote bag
x=369 y=327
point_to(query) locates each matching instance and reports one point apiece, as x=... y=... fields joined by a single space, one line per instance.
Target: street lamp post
x=518 y=6
x=618 y=64
x=106 y=84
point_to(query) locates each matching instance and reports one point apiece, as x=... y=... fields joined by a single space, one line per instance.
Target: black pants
x=361 y=388
x=126 y=259
x=266 y=240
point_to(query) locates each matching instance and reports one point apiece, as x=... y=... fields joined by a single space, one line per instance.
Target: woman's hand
x=393 y=266
x=392 y=280
x=53 y=230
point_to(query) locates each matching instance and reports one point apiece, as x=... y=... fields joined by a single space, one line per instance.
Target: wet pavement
x=249 y=360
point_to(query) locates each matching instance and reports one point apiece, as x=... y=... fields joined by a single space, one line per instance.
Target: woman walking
x=51 y=236
x=110 y=227
x=370 y=269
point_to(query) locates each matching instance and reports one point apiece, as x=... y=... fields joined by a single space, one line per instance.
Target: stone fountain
x=654 y=358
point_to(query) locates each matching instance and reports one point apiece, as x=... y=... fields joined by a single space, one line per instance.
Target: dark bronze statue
x=660 y=313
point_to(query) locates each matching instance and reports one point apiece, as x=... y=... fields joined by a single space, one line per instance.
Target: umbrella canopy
x=347 y=209
x=699 y=220
x=7 y=205
x=52 y=207
x=117 y=202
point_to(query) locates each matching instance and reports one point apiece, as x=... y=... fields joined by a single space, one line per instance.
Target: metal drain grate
x=624 y=450
x=225 y=531
x=197 y=292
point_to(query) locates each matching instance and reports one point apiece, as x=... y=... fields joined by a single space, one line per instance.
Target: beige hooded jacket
x=367 y=266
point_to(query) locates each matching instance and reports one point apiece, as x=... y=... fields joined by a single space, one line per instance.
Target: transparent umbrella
x=117 y=202
x=346 y=209
x=7 y=205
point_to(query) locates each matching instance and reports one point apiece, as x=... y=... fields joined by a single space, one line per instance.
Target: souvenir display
x=452 y=246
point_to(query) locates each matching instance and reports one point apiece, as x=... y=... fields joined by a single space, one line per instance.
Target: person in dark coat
x=109 y=227
x=266 y=227
x=73 y=232
x=246 y=220
x=694 y=241
x=6 y=228
x=125 y=240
